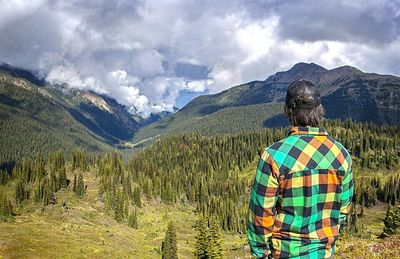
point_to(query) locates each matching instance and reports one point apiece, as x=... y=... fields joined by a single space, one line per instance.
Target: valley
x=83 y=178
x=175 y=180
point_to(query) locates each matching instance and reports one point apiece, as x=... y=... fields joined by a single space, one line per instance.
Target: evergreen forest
x=197 y=187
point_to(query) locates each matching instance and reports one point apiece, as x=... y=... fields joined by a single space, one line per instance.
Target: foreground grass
x=83 y=229
x=352 y=247
x=84 y=232
x=366 y=243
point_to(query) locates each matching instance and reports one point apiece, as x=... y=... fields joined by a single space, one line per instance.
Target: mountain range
x=346 y=92
x=37 y=117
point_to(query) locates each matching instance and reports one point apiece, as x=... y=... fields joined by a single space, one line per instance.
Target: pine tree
x=169 y=246
x=80 y=188
x=47 y=191
x=4 y=177
x=202 y=239
x=119 y=206
x=62 y=178
x=361 y=147
x=215 y=244
x=19 y=192
x=53 y=181
x=6 y=211
x=128 y=185
x=133 y=221
x=389 y=221
x=75 y=183
x=136 y=197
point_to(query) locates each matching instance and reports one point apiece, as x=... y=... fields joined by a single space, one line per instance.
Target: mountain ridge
x=347 y=92
x=45 y=118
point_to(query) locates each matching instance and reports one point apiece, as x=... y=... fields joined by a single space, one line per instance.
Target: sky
x=157 y=55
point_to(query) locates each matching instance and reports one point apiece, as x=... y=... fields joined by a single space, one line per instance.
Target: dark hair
x=303 y=104
x=305 y=117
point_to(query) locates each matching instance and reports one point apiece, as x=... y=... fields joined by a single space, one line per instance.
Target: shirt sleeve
x=263 y=198
x=347 y=197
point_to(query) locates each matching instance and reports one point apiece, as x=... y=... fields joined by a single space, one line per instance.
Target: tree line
x=38 y=180
x=214 y=174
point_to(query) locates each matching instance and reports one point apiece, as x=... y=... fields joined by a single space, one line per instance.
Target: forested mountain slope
x=37 y=118
x=346 y=93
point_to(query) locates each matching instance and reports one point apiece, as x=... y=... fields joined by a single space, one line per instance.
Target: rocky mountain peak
x=298 y=71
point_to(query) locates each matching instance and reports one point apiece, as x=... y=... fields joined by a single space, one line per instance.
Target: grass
x=352 y=247
x=373 y=219
x=84 y=229
x=84 y=232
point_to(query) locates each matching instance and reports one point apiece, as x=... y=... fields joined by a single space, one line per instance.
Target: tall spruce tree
x=202 y=239
x=62 y=178
x=389 y=222
x=75 y=183
x=6 y=210
x=47 y=191
x=80 y=187
x=133 y=220
x=119 y=206
x=136 y=197
x=19 y=192
x=169 y=246
x=215 y=244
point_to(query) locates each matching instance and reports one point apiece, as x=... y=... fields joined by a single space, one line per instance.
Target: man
x=303 y=185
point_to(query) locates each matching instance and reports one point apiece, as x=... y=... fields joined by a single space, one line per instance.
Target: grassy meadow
x=82 y=228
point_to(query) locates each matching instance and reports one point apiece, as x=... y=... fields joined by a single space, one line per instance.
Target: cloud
x=68 y=75
x=149 y=54
x=373 y=22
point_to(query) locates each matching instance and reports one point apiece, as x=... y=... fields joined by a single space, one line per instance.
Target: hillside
x=227 y=120
x=33 y=121
x=39 y=118
x=84 y=228
x=178 y=180
x=346 y=93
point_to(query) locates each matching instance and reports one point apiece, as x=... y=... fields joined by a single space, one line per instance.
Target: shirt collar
x=307 y=131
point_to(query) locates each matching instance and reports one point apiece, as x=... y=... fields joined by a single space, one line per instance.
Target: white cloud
x=144 y=53
x=68 y=75
x=198 y=85
x=17 y=9
x=257 y=39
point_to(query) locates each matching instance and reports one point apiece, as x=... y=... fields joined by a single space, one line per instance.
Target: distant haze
x=155 y=55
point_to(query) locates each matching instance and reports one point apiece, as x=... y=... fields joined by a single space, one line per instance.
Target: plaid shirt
x=301 y=195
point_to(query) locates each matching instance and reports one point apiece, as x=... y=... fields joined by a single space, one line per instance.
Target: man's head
x=303 y=104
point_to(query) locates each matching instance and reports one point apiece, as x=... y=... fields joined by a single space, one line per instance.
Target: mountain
x=154 y=117
x=101 y=114
x=346 y=91
x=50 y=117
x=38 y=118
x=23 y=73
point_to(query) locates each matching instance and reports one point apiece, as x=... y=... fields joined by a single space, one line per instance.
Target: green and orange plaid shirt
x=300 y=197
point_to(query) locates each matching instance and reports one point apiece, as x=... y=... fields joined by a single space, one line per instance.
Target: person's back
x=302 y=190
